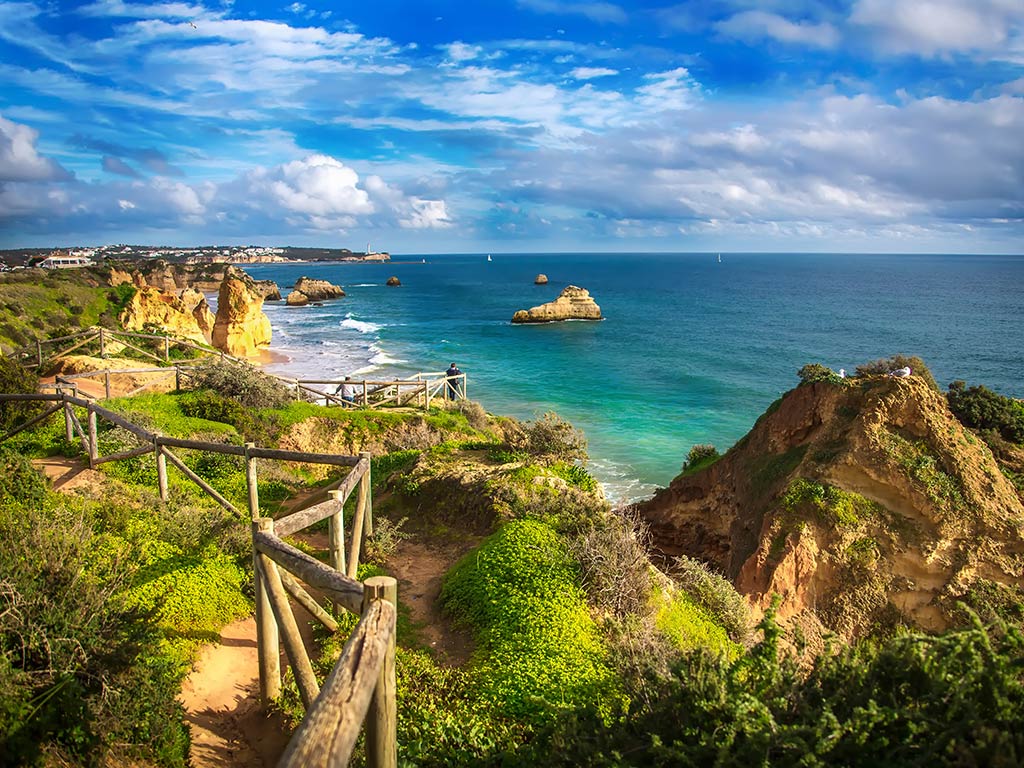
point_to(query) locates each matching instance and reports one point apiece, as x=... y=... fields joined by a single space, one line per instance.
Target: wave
x=363 y=326
x=364 y=285
x=620 y=484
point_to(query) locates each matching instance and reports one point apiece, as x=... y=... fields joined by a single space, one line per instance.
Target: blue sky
x=518 y=125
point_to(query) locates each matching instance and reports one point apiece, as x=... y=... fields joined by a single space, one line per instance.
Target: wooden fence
x=105 y=339
x=361 y=686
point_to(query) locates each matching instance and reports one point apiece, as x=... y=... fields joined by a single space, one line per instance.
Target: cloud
x=19 y=158
x=935 y=27
x=118 y=166
x=459 y=52
x=589 y=73
x=602 y=13
x=753 y=26
x=114 y=154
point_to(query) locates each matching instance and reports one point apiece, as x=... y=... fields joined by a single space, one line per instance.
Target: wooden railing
x=361 y=686
x=33 y=355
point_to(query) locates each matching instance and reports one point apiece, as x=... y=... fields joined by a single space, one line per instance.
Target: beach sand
x=267 y=356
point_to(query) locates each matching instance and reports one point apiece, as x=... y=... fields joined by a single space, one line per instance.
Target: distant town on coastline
x=78 y=256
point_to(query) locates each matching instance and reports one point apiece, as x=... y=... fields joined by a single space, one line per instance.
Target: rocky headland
x=184 y=314
x=573 y=303
x=863 y=504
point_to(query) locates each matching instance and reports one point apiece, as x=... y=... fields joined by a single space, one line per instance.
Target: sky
x=515 y=125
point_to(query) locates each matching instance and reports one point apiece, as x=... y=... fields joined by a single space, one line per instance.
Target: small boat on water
x=719 y=258
x=489 y=257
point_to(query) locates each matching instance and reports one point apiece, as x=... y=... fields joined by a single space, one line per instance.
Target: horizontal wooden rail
x=340 y=589
x=140 y=451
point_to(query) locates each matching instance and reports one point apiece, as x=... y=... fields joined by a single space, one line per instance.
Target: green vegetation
x=980 y=408
x=539 y=651
x=941 y=488
x=912 y=700
x=16 y=380
x=690 y=626
x=834 y=505
x=99 y=612
x=813 y=372
x=699 y=457
x=888 y=364
x=37 y=305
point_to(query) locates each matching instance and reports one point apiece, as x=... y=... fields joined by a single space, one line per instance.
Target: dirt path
x=222 y=706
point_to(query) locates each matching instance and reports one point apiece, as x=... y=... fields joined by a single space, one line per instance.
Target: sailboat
x=719 y=258
x=488 y=257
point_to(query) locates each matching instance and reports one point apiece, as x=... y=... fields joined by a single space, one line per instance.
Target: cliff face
x=240 y=327
x=186 y=315
x=863 y=503
x=573 y=303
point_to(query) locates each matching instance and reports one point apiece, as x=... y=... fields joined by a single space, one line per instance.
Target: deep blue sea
x=691 y=350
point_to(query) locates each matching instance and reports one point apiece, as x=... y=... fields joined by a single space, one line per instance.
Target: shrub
x=16 y=380
x=813 y=372
x=715 y=594
x=887 y=364
x=386 y=538
x=980 y=408
x=700 y=456
x=614 y=565
x=240 y=382
x=20 y=482
x=550 y=437
x=474 y=413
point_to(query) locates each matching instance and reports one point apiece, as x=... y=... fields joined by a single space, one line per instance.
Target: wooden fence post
x=382 y=716
x=268 y=644
x=161 y=469
x=365 y=398
x=177 y=378
x=39 y=353
x=251 y=482
x=336 y=533
x=106 y=384
x=167 y=349
x=69 y=430
x=103 y=343
x=365 y=493
x=93 y=438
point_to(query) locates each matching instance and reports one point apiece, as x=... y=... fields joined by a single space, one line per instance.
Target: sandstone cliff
x=240 y=327
x=186 y=315
x=572 y=304
x=863 y=504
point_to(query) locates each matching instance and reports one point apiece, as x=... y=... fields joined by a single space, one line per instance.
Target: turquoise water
x=691 y=350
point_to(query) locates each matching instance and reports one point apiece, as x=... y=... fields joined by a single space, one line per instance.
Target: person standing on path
x=453 y=383
x=347 y=389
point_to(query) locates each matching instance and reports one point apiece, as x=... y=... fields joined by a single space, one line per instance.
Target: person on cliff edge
x=347 y=389
x=452 y=389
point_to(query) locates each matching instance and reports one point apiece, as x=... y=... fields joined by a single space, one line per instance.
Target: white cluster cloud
x=19 y=159
x=753 y=26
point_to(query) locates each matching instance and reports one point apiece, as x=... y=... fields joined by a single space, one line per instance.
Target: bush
x=614 y=565
x=550 y=437
x=980 y=408
x=17 y=380
x=20 y=482
x=474 y=413
x=887 y=364
x=700 y=456
x=715 y=594
x=813 y=372
x=240 y=382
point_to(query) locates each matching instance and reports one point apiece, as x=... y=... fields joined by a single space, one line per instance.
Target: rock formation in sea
x=297 y=299
x=268 y=289
x=186 y=315
x=540 y=279
x=862 y=503
x=393 y=281
x=318 y=290
x=572 y=304
x=240 y=328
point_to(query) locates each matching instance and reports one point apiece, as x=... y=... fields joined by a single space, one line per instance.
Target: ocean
x=691 y=350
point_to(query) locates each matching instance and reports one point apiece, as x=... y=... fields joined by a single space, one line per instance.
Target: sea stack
x=540 y=280
x=318 y=290
x=240 y=327
x=393 y=281
x=573 y=303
